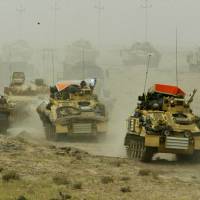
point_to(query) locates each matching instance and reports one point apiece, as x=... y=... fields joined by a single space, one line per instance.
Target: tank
x=18 y=86
x=193 y=60
x=137 y=55
x=5 y=112
x=163 y=122
x=22 y=96
x=40 y=87
x=73 y=109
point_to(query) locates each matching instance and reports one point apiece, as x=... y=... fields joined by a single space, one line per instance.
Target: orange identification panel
x=169 y=89
x=62 y=85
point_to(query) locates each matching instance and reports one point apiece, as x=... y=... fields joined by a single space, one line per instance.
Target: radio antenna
x=176 y=57
x=147 y=71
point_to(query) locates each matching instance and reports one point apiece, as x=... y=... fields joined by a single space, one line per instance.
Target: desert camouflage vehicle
x=5 y=112
x=40 y=87
x=73 y=109
x=137 y=55
x=193 y=60
x=18 y=87
x=22 y=95
x=163 y=122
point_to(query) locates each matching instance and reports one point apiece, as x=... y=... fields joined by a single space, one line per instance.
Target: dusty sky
x=122 y=21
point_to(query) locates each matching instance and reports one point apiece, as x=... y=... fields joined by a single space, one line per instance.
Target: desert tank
x=73 y=109
x=5 y=112
x=193 y=60
x=40 y=87
x=163 y=122
x=22 y=96
x=18 y=86
x=137 y=55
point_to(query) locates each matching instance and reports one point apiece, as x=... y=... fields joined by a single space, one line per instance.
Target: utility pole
x=55 y=8
x=146 y=6
x=21 y=11
x=48 y=58
x=99 y=8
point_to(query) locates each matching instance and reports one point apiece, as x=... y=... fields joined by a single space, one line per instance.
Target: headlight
x=187 y=134
x=132 y=125
x=167 y=132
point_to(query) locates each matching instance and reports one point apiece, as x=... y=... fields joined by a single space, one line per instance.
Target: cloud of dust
x=31 y=124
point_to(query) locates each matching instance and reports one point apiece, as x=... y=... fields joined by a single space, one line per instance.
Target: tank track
x=136 y=149
x=50 y=132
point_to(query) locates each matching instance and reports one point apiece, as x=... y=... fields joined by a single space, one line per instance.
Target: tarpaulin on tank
x=169 y=89
x=61 y=85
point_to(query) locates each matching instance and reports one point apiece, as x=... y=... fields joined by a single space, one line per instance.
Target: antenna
x=146 y=6
x=147 y=71
x=99 y=8
x=83 y=61
x=176 y=57
x=21 y=11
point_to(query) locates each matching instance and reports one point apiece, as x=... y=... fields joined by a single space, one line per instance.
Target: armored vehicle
x=40 y=87
x=22 y=96
x=193 y=60
x=5 y=111
x=18 y=87
x=137 y=55
x=163 y=122
x=73 y=109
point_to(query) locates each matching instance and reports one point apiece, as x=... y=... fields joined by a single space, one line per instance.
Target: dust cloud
x=30 y=125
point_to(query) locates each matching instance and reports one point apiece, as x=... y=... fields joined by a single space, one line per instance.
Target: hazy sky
x=122 y=21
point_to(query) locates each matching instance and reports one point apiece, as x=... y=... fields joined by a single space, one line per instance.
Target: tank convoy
x=193 y=60
x=163 y=122
x=137 y=55
x=73 y=109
